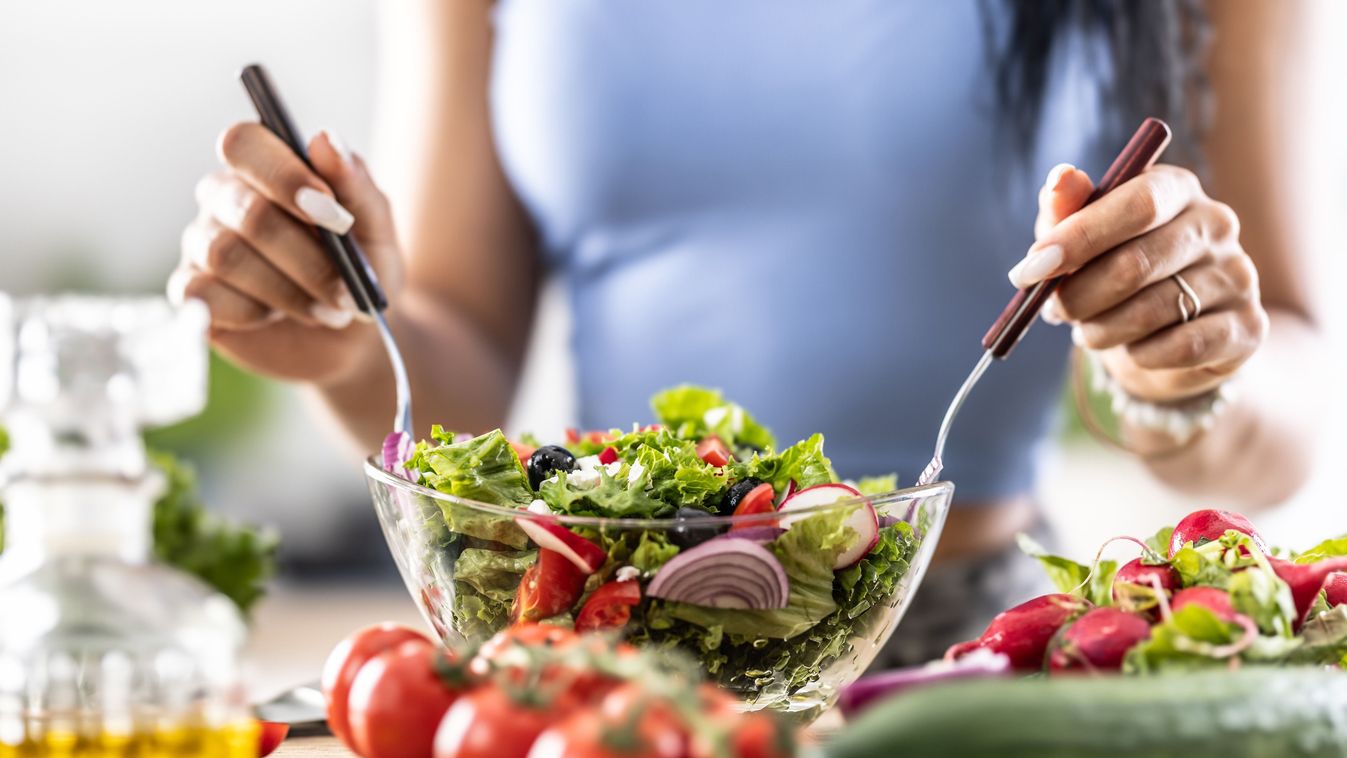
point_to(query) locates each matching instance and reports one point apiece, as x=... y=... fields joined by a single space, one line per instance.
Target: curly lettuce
x=695 y=412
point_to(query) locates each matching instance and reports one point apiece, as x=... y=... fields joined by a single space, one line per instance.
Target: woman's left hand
x=1122 y=297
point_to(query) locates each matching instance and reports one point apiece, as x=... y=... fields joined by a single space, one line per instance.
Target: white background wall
x=108 y=114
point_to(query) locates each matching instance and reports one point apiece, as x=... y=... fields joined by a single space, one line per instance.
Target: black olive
x=686 y=536
x=546 y=461
x=736 y=493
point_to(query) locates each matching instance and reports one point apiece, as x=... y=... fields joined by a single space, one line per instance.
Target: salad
x=765 y=603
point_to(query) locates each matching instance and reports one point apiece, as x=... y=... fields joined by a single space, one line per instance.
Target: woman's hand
x=277 y=304
x=1122 y=253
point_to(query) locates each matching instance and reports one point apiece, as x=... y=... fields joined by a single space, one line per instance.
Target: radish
x=787 y=492
x=1022 y=633
x=1306 y=579
x=1098 y=641
x=863 y=519
x=586 y=555
x=1134 y=584
x=1214 y=600
x=1335 y=587
x=1211 y=525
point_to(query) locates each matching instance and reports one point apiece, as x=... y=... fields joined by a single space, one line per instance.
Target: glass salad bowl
x=699 y=584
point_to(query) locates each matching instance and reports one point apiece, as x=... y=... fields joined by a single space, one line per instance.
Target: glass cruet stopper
x=101 y=648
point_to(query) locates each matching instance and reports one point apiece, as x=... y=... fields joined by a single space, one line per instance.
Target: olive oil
x=236 y=741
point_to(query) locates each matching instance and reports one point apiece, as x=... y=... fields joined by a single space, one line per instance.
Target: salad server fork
x=1142 y=150
x=342 y=249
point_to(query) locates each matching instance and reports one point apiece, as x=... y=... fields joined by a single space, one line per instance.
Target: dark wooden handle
x=342 y=249
x=1142 y=150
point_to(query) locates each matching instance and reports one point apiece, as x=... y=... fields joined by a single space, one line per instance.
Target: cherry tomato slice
x=760 y=499
x=714 y=451
x=270 y=735
x=608 y=455
x=609 y=607
x=550 y=586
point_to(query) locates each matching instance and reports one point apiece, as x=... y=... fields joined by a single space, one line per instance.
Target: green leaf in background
x=1333 y=548
x=1071 y=577
x=237 y=560
x=696 y=411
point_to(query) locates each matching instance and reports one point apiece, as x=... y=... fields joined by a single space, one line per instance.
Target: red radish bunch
x=1023 y=633
x=1211 y=525
x=1335 y=589
x=1098 y=641
x=1306 y=579
x=1135 y=585
x=1215 y=600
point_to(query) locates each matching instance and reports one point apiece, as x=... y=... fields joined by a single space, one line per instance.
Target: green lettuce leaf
x=1333 y=548
x=1189 y=640
x=877 y=485
x=804 y=463
x=483 y=468
x=1265 y=598
x=672 y=472
x=695 y=412
x=1071 y=577
x=485 y=582
x=611 y=497
x=652 y=551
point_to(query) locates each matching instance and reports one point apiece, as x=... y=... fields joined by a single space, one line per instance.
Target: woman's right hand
x=277 y=303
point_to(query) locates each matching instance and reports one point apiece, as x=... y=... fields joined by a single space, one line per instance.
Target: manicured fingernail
x=1050 y=313
x=1054 y=180
x=1037 y=266
x=176 y=289
x=324 y=211
x=345 y=301
x=1078 y=335
x=332 y=318
x=337 y=144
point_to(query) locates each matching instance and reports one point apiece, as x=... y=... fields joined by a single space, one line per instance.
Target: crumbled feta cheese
x=587 y=463
x=635 y=473
x=737 y=419
x=713 y=417
x=613 y=468
x=583 y=479
x=627 y=573
x=539 y=507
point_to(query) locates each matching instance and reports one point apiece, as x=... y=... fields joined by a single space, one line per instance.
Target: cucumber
x=1224 y=714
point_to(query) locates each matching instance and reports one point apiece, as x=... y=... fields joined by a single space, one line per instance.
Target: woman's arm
x=1261 y=450
x=464 y=313
x=1239 y=244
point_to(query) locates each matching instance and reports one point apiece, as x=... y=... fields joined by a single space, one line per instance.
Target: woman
x=809 y=205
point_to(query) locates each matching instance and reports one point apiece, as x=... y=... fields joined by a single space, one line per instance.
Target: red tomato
x=609 y=607
x=550 y=586
x=713 y=451
x=397 y=701
x=345 y=661
x=758 y=735
x=489 y=723
x=548 y=635
x=608 y=455
x=760 y=499
x=574 y=436
x=610 y=732
x=523 y=451
x=270 y=735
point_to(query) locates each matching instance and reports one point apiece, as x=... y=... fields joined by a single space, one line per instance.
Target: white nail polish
x=176 y=288
x=1050 y=314
x=330 y=317
x=324 y=211
x=1056 y=174
x=1078 y=336
x=339 y=145
x=345 y=301
x=1037 y=266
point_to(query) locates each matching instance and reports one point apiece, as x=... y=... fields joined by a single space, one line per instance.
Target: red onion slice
x=723 y=573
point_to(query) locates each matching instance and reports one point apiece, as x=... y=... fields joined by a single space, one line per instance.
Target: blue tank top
x=797 y=202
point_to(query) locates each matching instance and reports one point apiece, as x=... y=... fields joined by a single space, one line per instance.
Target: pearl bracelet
x=1181 y=420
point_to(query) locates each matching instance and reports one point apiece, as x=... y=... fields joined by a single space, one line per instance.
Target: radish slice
x=789 y=490
x=723 y=573
x=586 y=555
x=397 y=450
x=863 y=519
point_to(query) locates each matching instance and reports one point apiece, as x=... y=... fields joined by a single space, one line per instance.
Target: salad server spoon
x=342 y=249
x=1142 y=150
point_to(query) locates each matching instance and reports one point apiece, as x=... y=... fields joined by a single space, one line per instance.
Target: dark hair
x=1154 y=50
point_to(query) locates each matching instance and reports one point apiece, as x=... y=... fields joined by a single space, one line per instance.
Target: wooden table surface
x=312 y=746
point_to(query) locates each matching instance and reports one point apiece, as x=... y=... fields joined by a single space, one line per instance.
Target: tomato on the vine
x=345 y=660
x=492 y=722
x=397 y=701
